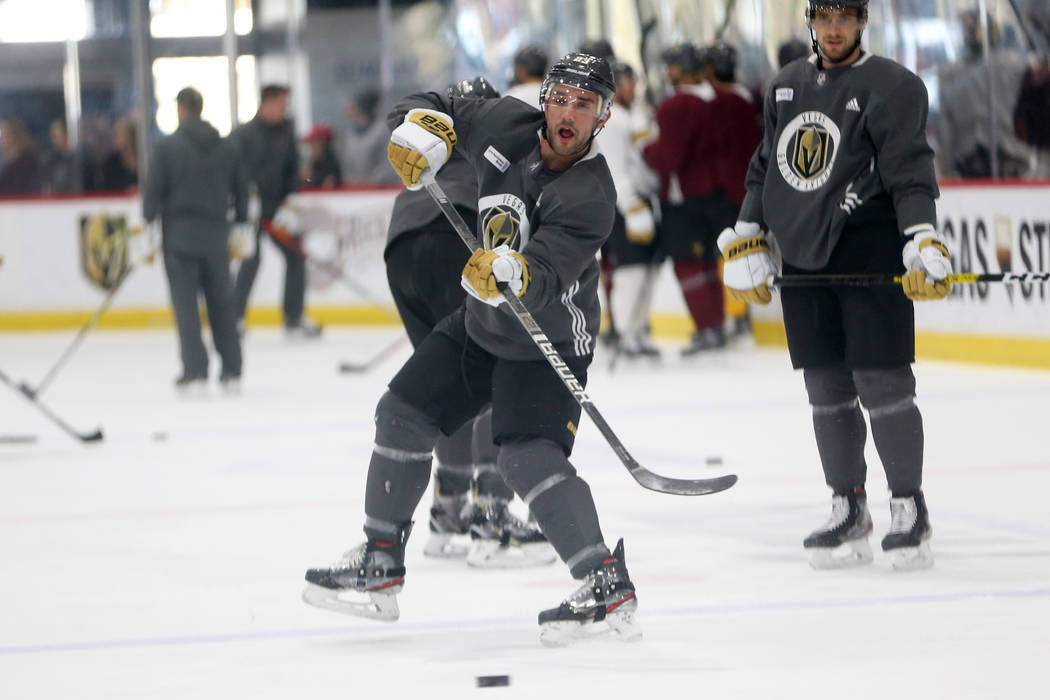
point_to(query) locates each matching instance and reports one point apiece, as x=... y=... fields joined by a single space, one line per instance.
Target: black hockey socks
x=896 y=425
x=838 y=425
x=399 y=472
x=537 y=469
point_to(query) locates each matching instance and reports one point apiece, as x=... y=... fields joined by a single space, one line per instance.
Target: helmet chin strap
x=820 y=56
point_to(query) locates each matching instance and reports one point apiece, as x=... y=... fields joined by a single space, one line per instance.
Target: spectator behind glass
x=1032 y=112
x=365 y=160
x=120 y=169
x=321 y=169
x=964 y=126
x=60 y=174
x=530 y=67
x=21 y=169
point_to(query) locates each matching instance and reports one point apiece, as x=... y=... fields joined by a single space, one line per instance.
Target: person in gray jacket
x=193 y=179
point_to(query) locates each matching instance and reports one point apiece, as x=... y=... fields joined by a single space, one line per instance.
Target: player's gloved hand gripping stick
x=654 y=482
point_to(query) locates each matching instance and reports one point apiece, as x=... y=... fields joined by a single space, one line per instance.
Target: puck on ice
x=714 y=460
x=160 y=436
x=493 y=681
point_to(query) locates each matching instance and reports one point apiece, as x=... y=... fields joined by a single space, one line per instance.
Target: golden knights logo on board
x=103 y=249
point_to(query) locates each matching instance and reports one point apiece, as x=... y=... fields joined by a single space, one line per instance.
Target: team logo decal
x=104 y=249
x=807 y=149
x=504 y=221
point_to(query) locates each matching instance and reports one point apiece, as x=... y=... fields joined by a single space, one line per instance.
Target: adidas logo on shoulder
x=853 y=105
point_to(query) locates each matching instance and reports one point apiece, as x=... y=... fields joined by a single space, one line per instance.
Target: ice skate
x=365 y=582
x=450 y=518
x=194 y=387
x=500 y=540
x=908 y=540
x=605 y=602
x=843 y=541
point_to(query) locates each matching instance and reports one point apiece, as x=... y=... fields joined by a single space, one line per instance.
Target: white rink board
x=983 y=226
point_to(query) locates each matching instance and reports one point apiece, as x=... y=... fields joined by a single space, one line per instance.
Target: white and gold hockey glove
x=928 y=265
x=749 y=263
x=243 y=240
x=487 y=267
x=424 y=140
x=639 y=223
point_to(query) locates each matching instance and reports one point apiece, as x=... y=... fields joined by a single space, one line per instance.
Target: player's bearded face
x=572 y=115
x=838 y=32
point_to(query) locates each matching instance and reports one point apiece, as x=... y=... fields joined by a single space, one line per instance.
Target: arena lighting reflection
x=34 y=21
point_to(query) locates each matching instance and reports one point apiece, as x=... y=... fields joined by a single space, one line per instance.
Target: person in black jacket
x=193 y=178
x=267 y=147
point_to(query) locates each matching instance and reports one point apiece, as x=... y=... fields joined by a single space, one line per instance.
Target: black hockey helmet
x=861 y=6
x=585 y=72
x=477 y=86
x=722 y=59
x=689 y=57
x=533 y=59
x=621 y=70
x=598 y=47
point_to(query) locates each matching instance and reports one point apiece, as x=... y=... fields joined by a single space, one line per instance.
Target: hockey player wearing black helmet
x=576 y=96
x=546 y=204
x=836 y=26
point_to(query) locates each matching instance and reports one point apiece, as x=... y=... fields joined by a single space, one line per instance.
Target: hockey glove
x=242 y=241
x=289 y=216
x=143 y=243
x=639 y=222
x=424 y=140
x=928 y=265
x=748 y=263
x=487 y=267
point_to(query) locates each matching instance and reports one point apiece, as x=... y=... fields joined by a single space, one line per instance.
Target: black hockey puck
x=159 y=436
x=493 y=681
x=713 y=461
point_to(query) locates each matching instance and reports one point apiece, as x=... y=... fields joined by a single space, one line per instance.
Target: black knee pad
x=829 y=386
x=399 y=425
x=531 y=465
x=885 y=388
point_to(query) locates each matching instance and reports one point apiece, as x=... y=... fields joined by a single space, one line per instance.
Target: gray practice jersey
x=414 y=209
x=840 y=146
x=557 y=220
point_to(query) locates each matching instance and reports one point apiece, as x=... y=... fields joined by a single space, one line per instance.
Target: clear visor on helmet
x=571 y=97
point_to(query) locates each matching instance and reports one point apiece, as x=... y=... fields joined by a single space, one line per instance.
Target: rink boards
x=49 y=247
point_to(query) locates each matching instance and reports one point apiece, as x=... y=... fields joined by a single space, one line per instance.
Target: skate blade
x=911 y=558
x=380 y=606
x=620 y=625
x=845 y=556
x=489 y=554
x=441 y=546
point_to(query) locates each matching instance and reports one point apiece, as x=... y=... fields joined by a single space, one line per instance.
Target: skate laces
x=904 y=513
x=839 y=512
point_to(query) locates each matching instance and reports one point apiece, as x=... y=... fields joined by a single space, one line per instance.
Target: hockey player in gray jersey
x=844 y=181
x=424 y=257
x=546 y=203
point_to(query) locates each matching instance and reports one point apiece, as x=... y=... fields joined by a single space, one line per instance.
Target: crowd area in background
x=966 y=127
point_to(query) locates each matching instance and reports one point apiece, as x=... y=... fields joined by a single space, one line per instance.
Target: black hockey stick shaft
x=648 y=479
x=384 y=353
x=83 y=437
x=871 y=280
x=81 y=334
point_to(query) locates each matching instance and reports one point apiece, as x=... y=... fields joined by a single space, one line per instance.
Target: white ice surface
x=145 y=568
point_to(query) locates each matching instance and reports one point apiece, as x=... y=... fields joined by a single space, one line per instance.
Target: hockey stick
x=654 y=482
x=96 y=436
x=34 y=394
x=387 y=351
x=286 y=240
x=869 y=280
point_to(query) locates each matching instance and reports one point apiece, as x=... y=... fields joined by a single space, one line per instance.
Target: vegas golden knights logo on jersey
x=504 y=221
x=103 y=249
x=811 y=151
x=501 y=228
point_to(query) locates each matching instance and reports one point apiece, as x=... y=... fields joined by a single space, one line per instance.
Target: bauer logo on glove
x=748 y=263
x=424 y=140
